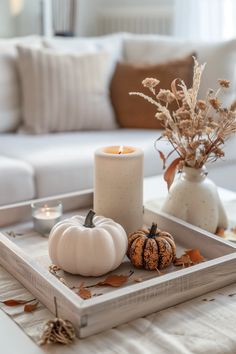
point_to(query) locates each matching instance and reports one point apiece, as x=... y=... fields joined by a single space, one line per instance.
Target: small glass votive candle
x=46 y=215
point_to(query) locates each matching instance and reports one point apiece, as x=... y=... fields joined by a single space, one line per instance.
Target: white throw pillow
x=10 y=97
x=65 y=92
x=219 y=56
x=112 y=44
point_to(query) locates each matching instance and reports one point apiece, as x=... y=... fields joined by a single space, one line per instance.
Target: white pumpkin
x=90 y=246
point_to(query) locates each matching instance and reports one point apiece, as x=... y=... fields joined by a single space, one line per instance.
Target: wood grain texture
x=136 y=299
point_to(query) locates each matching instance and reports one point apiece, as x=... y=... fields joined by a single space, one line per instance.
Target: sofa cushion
x=65 y=92
x=16 y=181
x=133 y=111
x=219 y=56
x=112 y=44
x=10 y=103
x=64 y=162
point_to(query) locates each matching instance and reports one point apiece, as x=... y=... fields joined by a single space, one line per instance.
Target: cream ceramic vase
x=194 y=198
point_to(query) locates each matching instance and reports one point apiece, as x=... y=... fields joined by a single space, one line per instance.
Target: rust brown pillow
x=134 y=111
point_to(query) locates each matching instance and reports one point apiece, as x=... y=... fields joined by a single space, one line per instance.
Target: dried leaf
x=184 y=261
x=169 y=174
x=53 y=268
x=163 y=158
x=114 y=280
x=220 y=231
x=138 y=280
x=84 y=293
x=173 y=86
x=12 y=302
x=231 y=295
x=195 y=255
x=190 y=257
x=31 y=307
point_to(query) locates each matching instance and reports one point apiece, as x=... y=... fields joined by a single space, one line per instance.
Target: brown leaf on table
x=220 y=231
x=31 y=307
x=184 y=261
x=12 y=302
x=169 y=174
x=114 y=280
x=84 y=293
x=195 y=255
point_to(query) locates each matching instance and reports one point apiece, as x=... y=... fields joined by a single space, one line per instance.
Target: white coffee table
x=14 y=340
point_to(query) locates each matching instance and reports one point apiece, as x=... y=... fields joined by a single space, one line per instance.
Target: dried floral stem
x=197 y=129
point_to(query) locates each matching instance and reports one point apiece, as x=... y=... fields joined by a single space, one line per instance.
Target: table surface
x=14 y=340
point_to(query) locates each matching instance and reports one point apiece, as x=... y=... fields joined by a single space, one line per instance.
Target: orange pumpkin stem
x=89 y=219
x=153 y=230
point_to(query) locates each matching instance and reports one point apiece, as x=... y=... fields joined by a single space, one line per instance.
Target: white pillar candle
x=118 y=185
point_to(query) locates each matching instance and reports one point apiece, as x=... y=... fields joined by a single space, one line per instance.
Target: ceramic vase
x=194 y=198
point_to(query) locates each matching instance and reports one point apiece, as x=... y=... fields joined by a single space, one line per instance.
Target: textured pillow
x=219 y=56
x=134 y=111
x=65 y=92
x=112 y=44
x=10 y=103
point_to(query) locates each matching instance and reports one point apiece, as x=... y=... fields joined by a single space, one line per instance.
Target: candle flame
x=121 y=150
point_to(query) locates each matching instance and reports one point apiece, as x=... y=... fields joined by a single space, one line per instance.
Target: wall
x=87 y=11
x=7 y=25
x=29 y=20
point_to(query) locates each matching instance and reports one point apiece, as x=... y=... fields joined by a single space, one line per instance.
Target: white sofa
x=34 y=166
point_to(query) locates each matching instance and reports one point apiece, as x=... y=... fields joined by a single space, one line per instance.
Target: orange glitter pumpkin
x=151 y=249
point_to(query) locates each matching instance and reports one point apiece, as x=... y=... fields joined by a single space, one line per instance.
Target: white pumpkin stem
x=89 y=219
x=153 y=230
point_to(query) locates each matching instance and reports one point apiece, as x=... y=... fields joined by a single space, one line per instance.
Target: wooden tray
x=25 y=257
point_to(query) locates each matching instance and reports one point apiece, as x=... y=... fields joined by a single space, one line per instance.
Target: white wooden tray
x=25 y=257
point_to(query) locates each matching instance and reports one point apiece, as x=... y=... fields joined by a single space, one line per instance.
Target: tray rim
x=82 y=306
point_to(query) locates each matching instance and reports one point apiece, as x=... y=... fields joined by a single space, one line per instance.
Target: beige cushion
x=10 y=103
x=65 y=92
x=134 y=111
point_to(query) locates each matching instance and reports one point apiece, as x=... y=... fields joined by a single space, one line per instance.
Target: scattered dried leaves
x=220 y=231
x=53 y=268
x=31 y=307
x=208 y=300
x=183 y=261
x=138 y=280
x=190 y=257
x=114 y=280
x=195 y=255
x=12 y=302
x=231 y=295
x=84 y=293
